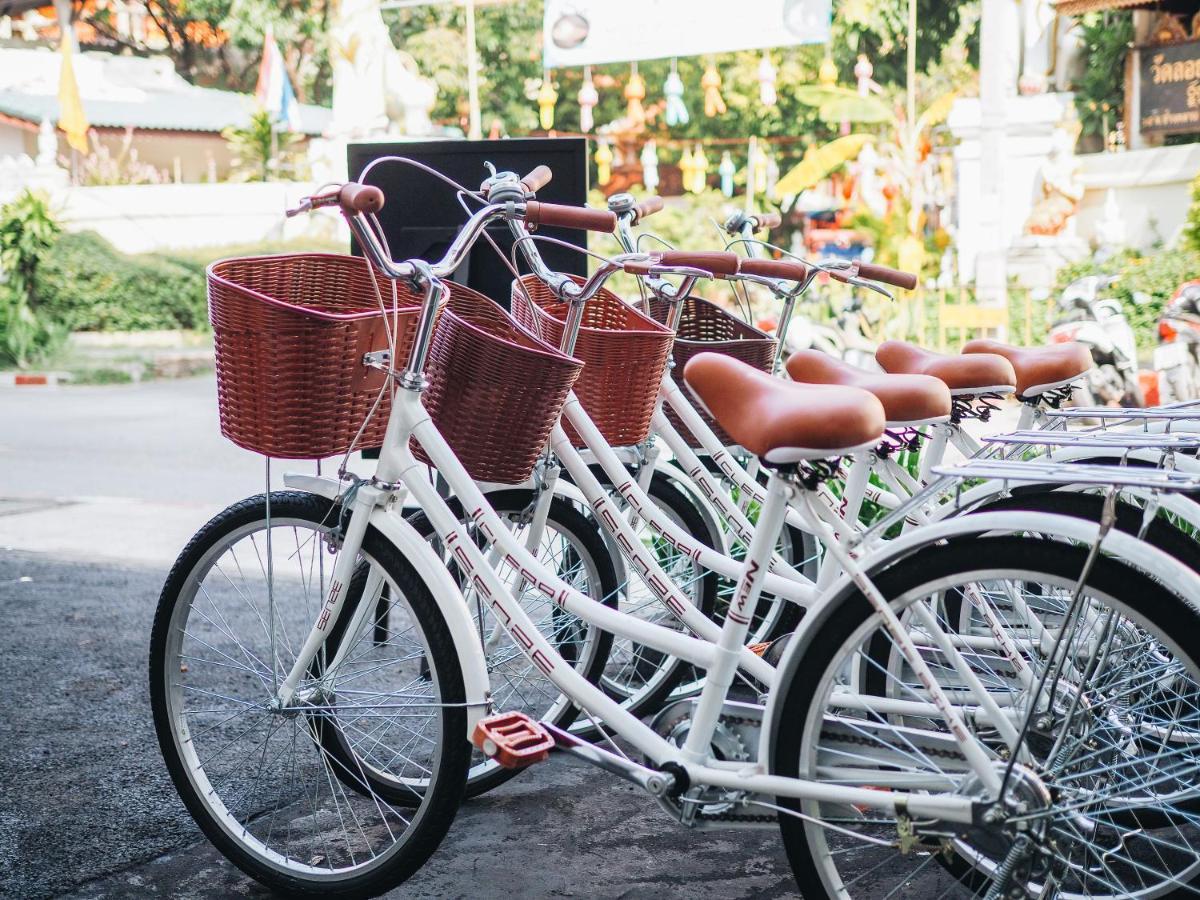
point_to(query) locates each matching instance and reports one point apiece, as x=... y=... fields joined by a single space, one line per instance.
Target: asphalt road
x=99 y=488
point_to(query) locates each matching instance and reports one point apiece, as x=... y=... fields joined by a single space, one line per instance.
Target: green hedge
x=88 y=285
x=1156 y=274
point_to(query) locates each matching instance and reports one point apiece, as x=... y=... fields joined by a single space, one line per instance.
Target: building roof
x=1079 y=7
x=128 y=92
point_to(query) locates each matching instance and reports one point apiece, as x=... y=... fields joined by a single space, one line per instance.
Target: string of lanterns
x=694 y=163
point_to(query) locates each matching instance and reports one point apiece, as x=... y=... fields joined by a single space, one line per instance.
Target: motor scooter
x=1177 y=356
x=1085 y=315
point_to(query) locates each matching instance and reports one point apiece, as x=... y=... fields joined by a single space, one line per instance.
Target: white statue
x=1070 y=61
x=1037 y=19
x=47 y=146
x=377 y=89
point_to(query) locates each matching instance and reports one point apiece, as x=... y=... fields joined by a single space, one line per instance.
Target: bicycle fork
x=366 y=498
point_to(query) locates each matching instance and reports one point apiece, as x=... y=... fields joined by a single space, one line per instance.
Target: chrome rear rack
x=1043 y=472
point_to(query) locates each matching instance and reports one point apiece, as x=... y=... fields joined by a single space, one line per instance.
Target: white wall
x=142 y=218
x=1152 y=189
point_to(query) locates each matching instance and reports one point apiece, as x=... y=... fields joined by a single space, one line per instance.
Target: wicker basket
x=706 y=328
x=624 y=354
x=495 y=390
x=290 y=332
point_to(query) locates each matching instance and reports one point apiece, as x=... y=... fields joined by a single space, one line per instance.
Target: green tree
x=1100 y=93
x=27 y=232
x=260 y=152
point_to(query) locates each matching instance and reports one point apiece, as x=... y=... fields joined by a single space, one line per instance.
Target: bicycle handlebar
x=537 y=179
x=904 y=280
x=360 y=198
x=784 y=269
x=647 y=207
x=581 y=217
x=768 y=219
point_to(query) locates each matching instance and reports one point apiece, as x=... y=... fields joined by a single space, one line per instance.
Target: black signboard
x=1169 y=87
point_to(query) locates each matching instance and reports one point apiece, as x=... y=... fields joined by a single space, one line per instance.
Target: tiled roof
x=194 y=109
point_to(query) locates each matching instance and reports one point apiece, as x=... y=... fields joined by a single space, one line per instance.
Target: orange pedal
x=513 y=739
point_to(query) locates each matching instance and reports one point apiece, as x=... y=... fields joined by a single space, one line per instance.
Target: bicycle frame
x=399 y=474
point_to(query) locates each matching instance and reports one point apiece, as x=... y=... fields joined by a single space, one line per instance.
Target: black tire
x=437 y=808
x=822 y=646
x=1160 y=534
x=565 y=519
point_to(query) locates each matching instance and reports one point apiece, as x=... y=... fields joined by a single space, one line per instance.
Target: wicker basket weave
x=706 y=328
x=495 y=390
x=290 y=332
x=624 y=354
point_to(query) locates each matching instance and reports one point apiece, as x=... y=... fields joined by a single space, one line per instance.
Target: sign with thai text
x=1169 y=87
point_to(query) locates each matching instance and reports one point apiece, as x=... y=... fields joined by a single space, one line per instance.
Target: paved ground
x=99 y=488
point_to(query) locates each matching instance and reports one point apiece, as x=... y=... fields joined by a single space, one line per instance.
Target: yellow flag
x=70 y=108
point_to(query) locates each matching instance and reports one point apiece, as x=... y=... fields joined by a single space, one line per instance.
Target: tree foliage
x=27 y=232
x=1100 y=93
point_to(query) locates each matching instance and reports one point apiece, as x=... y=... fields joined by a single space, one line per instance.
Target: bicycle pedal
x=513 y=739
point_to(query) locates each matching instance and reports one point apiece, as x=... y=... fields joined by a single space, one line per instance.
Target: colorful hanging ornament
x=635 y=93
x=767 y=75
x=726 y=170
x=649 y=160
x=714 y=104
x=547 y=96
x=687 y=169
x=700 y=170
x=770 y=184
x=588 y=98
x=604 y=161
x=676 y=112
x=828 y=73
x=863 y=70
x=760 y=171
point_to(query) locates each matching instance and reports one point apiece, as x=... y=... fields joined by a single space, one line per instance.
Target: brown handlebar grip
x=580 y=217
x=647 y=207
x=895 y=277
x=768 y=220
x=786 y=269
x=638 y=268
x=716 y=261
x=360 y=198
x=537 y=179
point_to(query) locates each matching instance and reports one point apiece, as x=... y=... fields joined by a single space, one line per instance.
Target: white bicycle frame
x=376 y=504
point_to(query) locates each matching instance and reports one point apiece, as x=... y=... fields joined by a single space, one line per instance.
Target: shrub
x=1155 y=274
x=28 y=231
x=88 y=285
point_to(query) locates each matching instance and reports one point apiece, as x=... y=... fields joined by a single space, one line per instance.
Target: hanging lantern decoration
x=687 y=169
x=760 y=178
x=767 y=75
x=635 y=93
x=604 y=161
x=588 y=98
x=828 y=73
x=547 y=96
x=649 y=160
x=726 y=170
x=700 y=170
x=863 y=70
x=771 y=181
x=675 y=113
x=714 y=104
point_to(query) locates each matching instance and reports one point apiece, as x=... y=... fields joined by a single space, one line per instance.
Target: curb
x=32 y=379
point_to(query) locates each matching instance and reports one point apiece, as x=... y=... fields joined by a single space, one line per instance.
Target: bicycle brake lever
x=871 y=286
x=305 y=206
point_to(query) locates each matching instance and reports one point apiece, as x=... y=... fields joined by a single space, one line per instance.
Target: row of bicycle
x=627 y=530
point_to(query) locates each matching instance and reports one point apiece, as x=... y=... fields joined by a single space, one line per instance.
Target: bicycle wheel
x=1103 y=739
x=573 y=549
x=237 y=605
x=640 y=677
